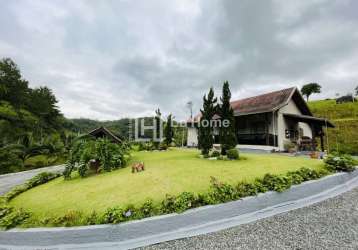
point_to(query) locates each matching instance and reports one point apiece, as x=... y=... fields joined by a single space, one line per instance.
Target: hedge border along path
x=193 y=222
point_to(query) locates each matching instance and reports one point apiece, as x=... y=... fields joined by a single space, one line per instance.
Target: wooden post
x=267 y=130
x=322 y=141
x=313 y=136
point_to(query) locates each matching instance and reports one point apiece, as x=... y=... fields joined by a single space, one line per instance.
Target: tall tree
x=356 y=90
x=169 y=132
x=43 y=104
x=205 y=135
x=227 y=129
x=310 y=88
x=158 y=123
x=13 y=88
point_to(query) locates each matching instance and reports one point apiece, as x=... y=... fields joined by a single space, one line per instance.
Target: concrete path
x=330 y=224
x=8 y=181
x=175 y=226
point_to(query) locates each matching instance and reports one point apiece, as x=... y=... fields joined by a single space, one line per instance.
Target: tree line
x=30 y=120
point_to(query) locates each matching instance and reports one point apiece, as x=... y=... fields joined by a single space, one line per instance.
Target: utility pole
x=190 y=106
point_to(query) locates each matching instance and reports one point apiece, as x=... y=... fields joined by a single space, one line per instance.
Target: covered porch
x=294 y=131
x=257 y=131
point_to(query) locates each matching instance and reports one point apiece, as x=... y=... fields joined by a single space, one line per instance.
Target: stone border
x=190 y=223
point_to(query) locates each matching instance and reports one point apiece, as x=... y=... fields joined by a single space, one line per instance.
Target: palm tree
x=27 y=148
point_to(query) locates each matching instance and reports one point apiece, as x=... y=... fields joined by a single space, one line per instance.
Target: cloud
x=113 y=59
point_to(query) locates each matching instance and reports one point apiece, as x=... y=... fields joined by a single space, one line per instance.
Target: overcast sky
x=113 y=59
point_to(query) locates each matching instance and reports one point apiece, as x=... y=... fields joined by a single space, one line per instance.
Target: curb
x=193 y=222
x=35 y=170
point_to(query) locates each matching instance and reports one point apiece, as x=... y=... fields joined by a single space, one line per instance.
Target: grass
x=344 y=137
x=170 y=172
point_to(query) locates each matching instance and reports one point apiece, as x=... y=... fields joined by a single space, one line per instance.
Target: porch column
x=313 y=129
x=267 y=130
x=321 y=134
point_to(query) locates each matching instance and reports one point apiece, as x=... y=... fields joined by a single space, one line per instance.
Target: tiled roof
x=262 y=103
x=259 y=104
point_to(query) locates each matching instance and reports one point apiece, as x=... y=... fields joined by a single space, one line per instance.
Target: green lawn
x=171 y=172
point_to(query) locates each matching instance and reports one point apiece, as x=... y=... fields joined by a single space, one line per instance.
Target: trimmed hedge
x=37 y=180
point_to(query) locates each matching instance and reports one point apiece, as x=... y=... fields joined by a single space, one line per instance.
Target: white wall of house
x=283 y=124
x=192 y=140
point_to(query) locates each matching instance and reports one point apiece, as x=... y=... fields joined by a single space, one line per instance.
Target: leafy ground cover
x=171 y=172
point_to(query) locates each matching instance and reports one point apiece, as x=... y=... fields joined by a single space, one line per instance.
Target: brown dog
x=137 y=167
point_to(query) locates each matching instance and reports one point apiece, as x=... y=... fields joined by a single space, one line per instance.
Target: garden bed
x=171 y=172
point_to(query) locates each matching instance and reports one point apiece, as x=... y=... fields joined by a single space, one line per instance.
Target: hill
x=344 y=137
x=83 y=125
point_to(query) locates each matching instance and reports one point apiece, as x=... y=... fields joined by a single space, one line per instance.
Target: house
x=103 y=132
x=345 y=98
x=271 y=121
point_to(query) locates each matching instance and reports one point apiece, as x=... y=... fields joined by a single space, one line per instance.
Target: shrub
x=41 y=179
x=33 y=182
x=203 y=199
x=113 y=215
x=9 y=161
x=168 y=204
x=147 y=209
x=156 y=145
x=246 y=189
x=92 y=219
x=82 y=169
x=232 y=154
x=288 y=146
x=130 y=212
x=221 y=192
x=163 y=146
x=70 y=165
x=70 y=218
x=308 y=174
x=260 y=187
x=15 y=192
x=13 y=219
x=109 y=156
x=296 y=178
x=276 y=182
x=184 y=201
x=215 y=154
x=336 y=162
x=5 y=210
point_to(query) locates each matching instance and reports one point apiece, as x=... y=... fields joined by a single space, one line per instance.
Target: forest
x=33 y=131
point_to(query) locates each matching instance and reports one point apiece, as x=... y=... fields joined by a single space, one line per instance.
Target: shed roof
x=102 y=131
x=309 y=119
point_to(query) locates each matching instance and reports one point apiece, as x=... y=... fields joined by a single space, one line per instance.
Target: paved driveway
x=331 y=224
x=8 y=181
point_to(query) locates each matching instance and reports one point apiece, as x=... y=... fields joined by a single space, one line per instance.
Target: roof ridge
x=269 y=93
